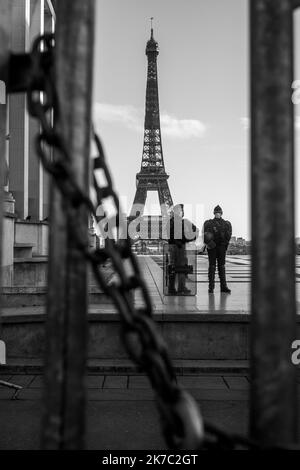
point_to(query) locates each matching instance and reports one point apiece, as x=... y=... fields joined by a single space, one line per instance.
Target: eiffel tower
x=152 y=176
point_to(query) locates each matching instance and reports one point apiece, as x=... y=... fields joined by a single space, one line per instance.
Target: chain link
x=181 y=419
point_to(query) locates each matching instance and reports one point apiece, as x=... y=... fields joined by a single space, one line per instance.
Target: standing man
x=217 y=234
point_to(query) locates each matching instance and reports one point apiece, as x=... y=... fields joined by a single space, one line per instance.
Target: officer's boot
x=182 y=289
x=211 y=278
x=222 y=276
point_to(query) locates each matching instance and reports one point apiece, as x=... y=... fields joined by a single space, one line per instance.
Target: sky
x=204 y=101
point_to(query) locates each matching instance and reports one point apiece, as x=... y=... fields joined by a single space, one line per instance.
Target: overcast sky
x=203 y=91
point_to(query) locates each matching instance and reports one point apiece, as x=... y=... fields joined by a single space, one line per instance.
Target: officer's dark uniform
x=217 y=234
x=178 y=228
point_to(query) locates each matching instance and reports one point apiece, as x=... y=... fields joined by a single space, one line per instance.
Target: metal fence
x=61 y=68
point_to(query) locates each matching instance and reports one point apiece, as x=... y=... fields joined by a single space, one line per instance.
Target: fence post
x=5 y=25
x=66 y=331
x=273 y=392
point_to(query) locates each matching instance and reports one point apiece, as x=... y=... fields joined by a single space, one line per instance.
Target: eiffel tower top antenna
x=151 y=20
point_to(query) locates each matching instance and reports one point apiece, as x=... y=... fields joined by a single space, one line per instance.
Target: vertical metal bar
x=273 y=392
x=64 y=414
x=5 y=27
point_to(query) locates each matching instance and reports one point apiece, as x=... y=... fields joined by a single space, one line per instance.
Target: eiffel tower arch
x=152 y=183
x=152 y=175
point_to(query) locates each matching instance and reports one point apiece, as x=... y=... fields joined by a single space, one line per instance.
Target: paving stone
x=203 y=382
x=139 y=381
x=5 y=377
x=38 y=382
x=117 y=394
x=115 y=381
x=30 y=394
x=237 y=383
x=22 y=380
x=6 y=393
x=94 y=381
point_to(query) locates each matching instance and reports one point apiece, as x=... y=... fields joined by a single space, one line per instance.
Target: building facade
x=27 y=181
x=26 y=185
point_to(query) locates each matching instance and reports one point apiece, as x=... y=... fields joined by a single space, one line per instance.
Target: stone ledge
x=199 y=339
x=102 y=366
x=15 y=290
x=23 y=245
x=14 y=315
x=191 y=333
x=34 y=259
x=32 y=222
x=17 y=297
x=37 y=290
x=10 y=215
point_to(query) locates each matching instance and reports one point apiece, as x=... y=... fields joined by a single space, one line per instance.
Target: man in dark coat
x=217 y=234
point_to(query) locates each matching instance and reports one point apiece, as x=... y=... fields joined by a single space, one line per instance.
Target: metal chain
x=182 y=423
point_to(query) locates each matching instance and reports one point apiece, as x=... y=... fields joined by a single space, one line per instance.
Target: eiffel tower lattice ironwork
x=152 y=176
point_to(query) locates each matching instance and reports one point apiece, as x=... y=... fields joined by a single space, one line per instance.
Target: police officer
x=180 y=232
x=217 y=234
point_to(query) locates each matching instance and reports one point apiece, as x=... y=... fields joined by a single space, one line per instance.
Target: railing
x=273 y=390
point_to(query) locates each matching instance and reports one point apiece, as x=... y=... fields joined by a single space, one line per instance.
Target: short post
x=273 y=391
x=66 y=333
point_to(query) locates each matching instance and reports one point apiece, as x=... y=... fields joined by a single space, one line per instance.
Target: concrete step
x=27 y=296
x=32 y=272
x=23 y=250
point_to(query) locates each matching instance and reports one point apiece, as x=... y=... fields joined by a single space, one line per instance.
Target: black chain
x=181 y=419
